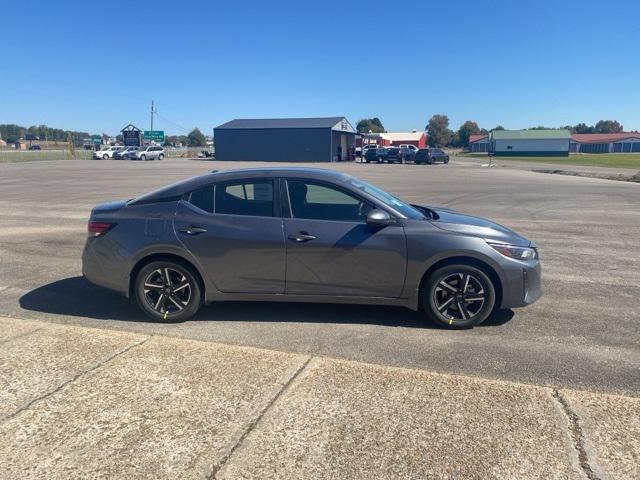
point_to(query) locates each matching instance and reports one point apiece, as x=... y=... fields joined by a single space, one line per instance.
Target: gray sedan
x=304 y=235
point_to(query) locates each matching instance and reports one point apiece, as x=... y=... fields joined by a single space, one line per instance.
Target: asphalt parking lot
x=584 y=333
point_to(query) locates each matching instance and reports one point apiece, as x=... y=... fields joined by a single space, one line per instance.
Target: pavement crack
x=254 y=422
x=73 y=379
x=577 y=435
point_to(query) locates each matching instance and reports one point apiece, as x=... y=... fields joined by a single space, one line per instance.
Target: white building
x=538 y=143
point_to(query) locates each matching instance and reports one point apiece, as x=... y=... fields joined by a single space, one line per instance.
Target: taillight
x=97 y=229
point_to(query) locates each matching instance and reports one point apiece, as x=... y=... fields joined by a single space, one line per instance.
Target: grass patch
x=17 y=156
x=620 y=160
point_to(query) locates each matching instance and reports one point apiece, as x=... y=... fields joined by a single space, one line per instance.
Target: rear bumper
x=94 y=272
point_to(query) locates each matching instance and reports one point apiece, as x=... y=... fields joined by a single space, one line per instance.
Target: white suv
x=412 y=147
x=149 y=153
x=108 y=153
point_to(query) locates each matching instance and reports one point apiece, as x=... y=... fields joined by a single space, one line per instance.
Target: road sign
x=154 y=135
x=131 y=138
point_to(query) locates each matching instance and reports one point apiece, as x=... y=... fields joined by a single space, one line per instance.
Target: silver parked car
x=304 y=234
x=149 y=153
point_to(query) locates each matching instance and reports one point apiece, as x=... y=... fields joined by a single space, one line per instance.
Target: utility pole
x=152 y=112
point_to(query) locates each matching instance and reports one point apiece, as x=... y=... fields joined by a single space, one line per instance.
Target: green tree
x=499 y=127
x=367 y=125
x=467 y=129
x=196 y=138
x=608 y=126
x=438 y=131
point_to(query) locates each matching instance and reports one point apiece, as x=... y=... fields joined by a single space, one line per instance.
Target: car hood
x=456 y=222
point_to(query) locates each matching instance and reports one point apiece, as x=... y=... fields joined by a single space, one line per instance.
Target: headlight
x=517 y=253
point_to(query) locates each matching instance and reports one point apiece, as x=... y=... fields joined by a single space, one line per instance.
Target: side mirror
x=379 y=218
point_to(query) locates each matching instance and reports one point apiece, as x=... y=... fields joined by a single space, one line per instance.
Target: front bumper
x=522 y=284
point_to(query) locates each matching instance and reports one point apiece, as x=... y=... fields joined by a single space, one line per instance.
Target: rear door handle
x=193 y=230
x=301 y=237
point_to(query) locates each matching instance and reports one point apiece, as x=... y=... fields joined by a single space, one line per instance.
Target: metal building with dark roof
x=285 y=139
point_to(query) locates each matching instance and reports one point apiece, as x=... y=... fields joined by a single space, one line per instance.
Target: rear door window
x=202 y=198
x=254 y=198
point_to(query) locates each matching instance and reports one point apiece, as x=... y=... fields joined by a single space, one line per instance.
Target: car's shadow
x=77 y=297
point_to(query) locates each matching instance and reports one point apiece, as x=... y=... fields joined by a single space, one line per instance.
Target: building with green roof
x=532 y=143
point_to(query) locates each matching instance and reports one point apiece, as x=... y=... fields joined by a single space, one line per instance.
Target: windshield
x=388 y=199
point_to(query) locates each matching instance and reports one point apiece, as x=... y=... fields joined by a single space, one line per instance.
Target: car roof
x=184 y=186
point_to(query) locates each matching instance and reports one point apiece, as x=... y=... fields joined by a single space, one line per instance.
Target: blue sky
x=96 y=66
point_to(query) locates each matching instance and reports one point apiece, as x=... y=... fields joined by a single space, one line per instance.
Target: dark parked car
x=399 y=154
x=431 y=155
x=378 y=154
x=125 y=153
x=304 y=234
x=34 y=147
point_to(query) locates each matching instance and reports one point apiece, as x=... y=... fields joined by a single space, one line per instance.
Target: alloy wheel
x=167 y=290
x=459 y=296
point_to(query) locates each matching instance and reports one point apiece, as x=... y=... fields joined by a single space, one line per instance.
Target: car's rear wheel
x=168 y=291
x=160 y=157
x=458 y=296
x=446 y=160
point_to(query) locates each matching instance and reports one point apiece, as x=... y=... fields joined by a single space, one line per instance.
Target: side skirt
x=283 y=297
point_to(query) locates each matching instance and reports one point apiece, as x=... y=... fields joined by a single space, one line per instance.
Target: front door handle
x=193 y=230
x=301 y=237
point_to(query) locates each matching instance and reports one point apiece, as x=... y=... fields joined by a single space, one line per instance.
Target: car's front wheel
x=105 y=157
x=458 y=296
x=143 y=157
x=168 y=291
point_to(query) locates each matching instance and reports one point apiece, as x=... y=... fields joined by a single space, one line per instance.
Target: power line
x=173 y=124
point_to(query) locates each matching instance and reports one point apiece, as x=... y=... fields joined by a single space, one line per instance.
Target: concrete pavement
x=93 y=403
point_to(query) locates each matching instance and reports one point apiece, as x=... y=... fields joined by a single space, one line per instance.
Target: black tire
x=178 y=304
x=125 y=157
x=446 y=160
x=460 y=310
x=105 y=157
x=143 y=157
x=161 y=156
